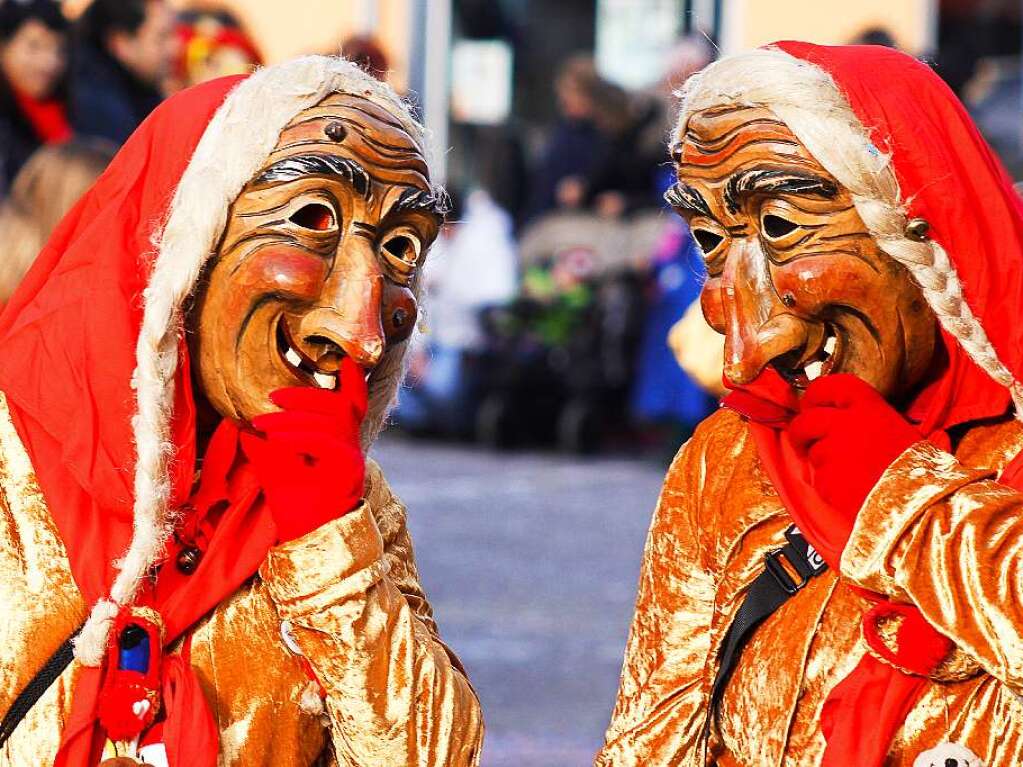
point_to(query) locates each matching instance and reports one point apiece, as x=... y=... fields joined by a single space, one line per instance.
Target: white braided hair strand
x=806 y=98
x=234 y=145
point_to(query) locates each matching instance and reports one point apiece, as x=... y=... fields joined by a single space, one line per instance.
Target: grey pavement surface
x=531 y=561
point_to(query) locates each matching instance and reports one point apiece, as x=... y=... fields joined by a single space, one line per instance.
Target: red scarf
x=862 y=714
x=228 y=522
x=47 y=117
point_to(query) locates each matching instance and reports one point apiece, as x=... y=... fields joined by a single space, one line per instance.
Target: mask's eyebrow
x=684 y=197
x=433 y=201
x=754 y=180
x=315 y=164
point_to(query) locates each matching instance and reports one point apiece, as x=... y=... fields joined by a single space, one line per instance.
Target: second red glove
x=849 y=435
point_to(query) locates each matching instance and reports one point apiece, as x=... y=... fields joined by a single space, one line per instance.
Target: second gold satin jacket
x=351 y=595
x=937 y=531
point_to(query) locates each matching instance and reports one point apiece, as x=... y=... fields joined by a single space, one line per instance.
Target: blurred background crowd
x=562 y=311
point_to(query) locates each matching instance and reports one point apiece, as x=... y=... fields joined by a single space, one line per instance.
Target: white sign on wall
x=634 y=37
x=481 y=81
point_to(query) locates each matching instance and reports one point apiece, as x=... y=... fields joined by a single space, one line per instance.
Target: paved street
x=531 y=562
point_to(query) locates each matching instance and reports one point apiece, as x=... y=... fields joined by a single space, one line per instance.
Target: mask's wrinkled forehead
x=709 y=140
x=355 y=127
x=742 y=151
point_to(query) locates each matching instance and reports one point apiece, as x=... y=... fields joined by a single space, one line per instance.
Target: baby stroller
x=558 y=361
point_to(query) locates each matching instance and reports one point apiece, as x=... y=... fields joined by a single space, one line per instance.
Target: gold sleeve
x=948 y=539
x=661 y=705
x=350 y=592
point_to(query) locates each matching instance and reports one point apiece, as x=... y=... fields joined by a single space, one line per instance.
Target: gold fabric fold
x=395 y=695
x=328 y=565
x=950 y=541
x=937 y=529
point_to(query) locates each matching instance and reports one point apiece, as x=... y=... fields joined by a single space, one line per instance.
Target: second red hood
x=948 y=176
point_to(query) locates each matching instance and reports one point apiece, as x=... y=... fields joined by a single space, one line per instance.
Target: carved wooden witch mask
x=794 y=278
x=318 y=259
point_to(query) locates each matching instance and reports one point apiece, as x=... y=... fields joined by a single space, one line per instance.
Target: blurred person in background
x=631 y=175
x=366 y=51
x=212 y=44
x=584 y=100
x=123 y=52
x=48 y=185
x=32 y=67
x=664 y=394
x=473 y=267
x=606 y=149
x=625 y=175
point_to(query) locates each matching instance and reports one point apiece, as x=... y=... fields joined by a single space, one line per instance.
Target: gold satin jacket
x=351 y=594
x=937 y=531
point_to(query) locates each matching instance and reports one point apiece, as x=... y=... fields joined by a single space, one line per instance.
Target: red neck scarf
x=228 y=522
x=862 y=714
x=47 y=117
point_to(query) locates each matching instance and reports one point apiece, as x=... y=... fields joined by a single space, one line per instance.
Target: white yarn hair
x=235 y=144
x=807 y=100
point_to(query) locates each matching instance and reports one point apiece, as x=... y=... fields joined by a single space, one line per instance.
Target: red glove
x=849 y=435
x=309 y=458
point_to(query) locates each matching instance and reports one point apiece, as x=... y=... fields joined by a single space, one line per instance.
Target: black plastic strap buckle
x=781 y=573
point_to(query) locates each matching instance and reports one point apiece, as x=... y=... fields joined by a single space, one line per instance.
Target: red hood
x=68 y=337
x=949 y=176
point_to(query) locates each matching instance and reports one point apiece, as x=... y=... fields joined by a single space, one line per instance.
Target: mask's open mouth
x=801 y=369
x=298 y=363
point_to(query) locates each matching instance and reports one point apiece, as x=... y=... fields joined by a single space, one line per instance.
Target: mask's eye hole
x=315 y=216
x=403 y=247
x=707 y=240
x=776 y=226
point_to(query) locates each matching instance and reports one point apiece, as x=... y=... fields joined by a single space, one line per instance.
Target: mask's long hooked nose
x=351 y=322
x=757 y=325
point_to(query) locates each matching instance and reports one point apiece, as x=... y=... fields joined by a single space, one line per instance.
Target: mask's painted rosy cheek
x=811 y=285
x=398 y=314
x=285 y=269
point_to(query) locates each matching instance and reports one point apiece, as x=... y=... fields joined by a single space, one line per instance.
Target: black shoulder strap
x=769 y=591
x=34 y=690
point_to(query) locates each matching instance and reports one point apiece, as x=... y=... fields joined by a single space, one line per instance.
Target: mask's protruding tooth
x=293 y=357
x=829 y=345
x=814 y=369
x=325 y=380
